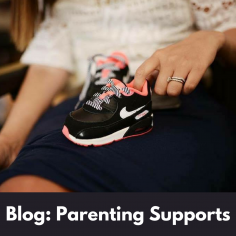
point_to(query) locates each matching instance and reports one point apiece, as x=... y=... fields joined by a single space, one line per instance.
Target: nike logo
x=124 y=114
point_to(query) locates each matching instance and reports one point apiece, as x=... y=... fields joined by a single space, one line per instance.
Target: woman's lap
x=189 y=149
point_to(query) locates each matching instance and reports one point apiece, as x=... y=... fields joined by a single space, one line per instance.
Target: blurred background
x=12 y=72
x=8 y=56
x=7 y=49
x=220 y=82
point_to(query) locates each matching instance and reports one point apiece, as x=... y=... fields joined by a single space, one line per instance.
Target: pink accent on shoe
x=105 y=73
x=125 y=94
x=121 y=54
x=144 y=91
x=65 y=131
x=118 y=63
x=117 y=84
x=103 y=95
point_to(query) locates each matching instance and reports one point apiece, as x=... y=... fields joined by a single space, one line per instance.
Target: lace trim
x=110 y=90
x=109 y=66
x=206 y=9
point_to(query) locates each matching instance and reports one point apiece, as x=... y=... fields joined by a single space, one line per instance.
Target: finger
x=151 y=64
x=174 y=88
x=193 y=79
x=161 y=83
x=153 y=76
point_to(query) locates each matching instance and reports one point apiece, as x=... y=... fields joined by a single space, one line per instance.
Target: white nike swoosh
x=124 y=114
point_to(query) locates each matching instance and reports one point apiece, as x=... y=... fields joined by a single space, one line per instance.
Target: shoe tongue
x=119 y=84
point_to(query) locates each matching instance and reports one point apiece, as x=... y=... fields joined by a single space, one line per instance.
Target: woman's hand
x=187 y=59
x=8 y=152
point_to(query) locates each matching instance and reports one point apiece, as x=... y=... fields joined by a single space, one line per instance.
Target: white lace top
x=81 y=28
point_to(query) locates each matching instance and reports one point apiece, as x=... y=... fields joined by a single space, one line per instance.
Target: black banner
x=118 y=214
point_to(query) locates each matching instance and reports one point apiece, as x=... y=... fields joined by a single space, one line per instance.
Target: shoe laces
x=109 y=66
x=109 y=90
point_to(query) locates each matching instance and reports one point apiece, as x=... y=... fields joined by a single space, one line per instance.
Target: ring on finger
x=177 y=79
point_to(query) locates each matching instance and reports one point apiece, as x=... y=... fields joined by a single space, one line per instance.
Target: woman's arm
x=39 y=88
x=228 y=50
x=187 y=59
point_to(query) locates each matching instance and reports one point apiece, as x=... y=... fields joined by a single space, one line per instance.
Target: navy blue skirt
x=192 y=148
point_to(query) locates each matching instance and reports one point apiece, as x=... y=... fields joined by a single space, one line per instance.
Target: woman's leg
x=30 y=183
x=189 y=149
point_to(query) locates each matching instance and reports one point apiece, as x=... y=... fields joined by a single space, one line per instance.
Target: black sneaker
x=117 y=112
x=106 y=67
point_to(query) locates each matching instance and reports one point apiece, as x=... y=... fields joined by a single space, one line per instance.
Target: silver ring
x=177 y=79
